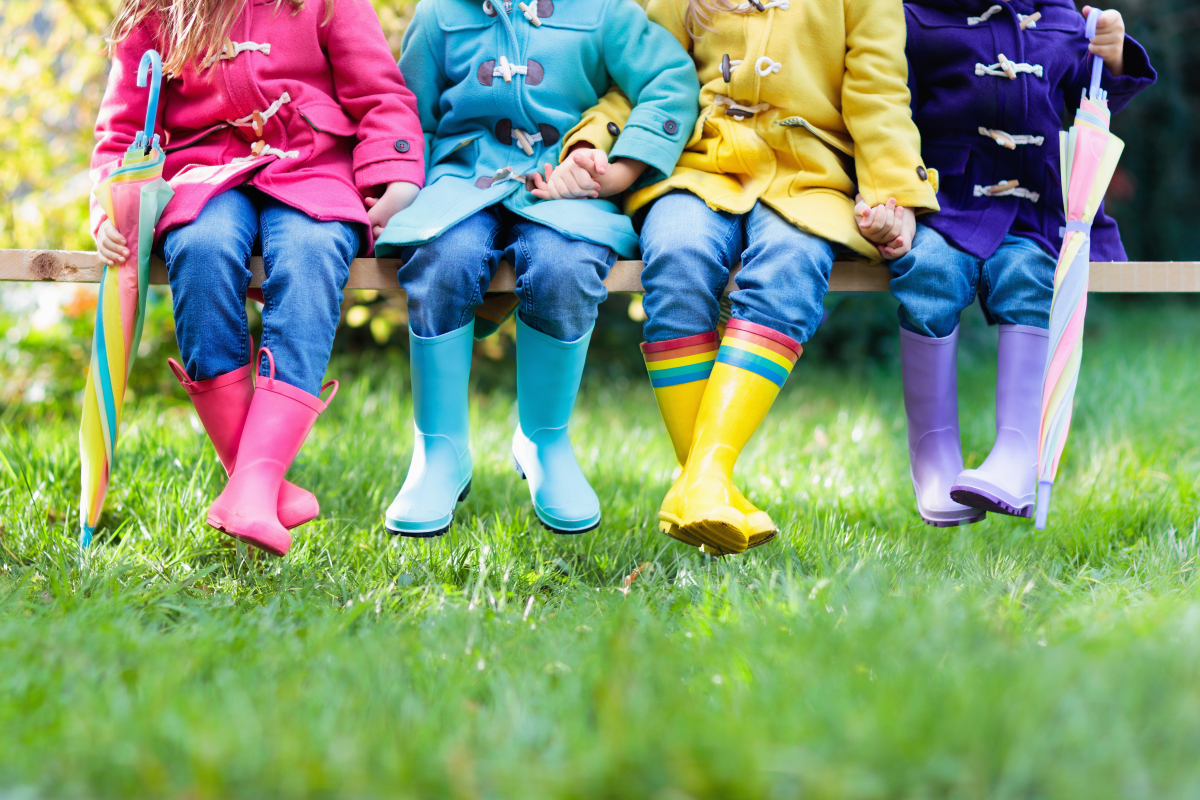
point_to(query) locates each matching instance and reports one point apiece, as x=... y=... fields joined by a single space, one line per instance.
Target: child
x=797 y=97
x=993 y=135
x=277 y=120
x=499 y=85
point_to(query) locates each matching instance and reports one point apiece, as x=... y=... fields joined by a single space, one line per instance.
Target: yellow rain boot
x=678 y=371
x=751 y=366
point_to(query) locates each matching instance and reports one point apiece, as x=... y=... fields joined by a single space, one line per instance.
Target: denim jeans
x=307 y=264
x=935 y=282
x=560 y=281
x=689 y=250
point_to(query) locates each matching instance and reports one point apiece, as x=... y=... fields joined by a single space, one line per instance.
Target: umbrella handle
x=151 y=62
x=1093 y=20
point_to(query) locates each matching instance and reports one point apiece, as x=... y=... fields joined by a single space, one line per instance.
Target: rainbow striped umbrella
x=133 y=195
x=1088 y=155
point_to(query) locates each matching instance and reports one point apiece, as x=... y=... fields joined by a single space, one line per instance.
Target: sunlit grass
x=860 y=655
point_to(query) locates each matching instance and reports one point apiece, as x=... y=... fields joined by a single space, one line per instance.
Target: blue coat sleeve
x=658 y=76
x=421 y=66
x=1138 y=76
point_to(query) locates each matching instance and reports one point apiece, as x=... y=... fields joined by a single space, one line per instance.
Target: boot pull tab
x=270 y=360
x=180 y=373
x=332 y=394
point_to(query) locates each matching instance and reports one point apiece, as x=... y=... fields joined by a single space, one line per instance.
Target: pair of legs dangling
x=257 y=426
x=934 y=282
x=713 y=391
x=560 y=283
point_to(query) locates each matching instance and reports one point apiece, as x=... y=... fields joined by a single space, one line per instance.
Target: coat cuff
x=380 y=162
x=1138 y=73
x=652 y=138
x=592 y=129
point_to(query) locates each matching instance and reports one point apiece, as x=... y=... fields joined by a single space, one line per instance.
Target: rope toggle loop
x=764 y=66
x=1009 y=140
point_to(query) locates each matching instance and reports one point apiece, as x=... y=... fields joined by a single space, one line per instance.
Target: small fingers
x=370 y=201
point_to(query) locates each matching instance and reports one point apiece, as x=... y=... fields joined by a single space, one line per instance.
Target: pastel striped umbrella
x=133 y=196
x=1088 y=155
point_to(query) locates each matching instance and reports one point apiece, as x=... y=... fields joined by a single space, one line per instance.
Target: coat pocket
x=456 y=156
x=949 y=159
x=329 y=118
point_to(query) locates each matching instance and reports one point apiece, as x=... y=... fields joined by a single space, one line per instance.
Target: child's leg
x=934 y=282
x=206 y=263
x=689 y=250
x=208 y=268
x=1018 y=286
x=445 y=279
x=560 y=283
x=784 y=277
x=307 y=263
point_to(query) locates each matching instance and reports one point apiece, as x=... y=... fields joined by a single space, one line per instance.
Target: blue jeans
x=560 y=281
x=307 y=263
x=689 y=250
x=935 y=282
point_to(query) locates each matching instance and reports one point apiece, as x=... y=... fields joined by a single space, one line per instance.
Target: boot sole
x=220 y=526
x=976 y=498
x=673 y=530
x=551 y=528
x=431 y=534
x=954 y=523
x=717 y=534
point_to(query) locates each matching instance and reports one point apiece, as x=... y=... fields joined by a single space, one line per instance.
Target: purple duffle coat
x=962 y=106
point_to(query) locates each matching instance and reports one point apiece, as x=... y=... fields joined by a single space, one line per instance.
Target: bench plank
x=82 y=266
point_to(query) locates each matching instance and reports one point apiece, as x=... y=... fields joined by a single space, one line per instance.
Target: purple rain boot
x=1006 y=482
x=930 y=369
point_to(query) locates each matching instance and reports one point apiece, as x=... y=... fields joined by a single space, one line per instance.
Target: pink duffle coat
x=316 y=116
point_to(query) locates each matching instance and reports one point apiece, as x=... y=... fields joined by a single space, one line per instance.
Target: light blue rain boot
x=548 y=373
x=440 y=473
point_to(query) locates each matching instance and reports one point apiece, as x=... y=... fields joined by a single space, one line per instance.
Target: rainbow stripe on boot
x=679 y=370
x=752 y=365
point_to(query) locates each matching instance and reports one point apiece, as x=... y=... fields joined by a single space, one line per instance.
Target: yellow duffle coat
x=816 y=106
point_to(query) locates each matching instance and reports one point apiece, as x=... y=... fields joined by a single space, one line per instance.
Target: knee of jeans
x=571 y=279
x=203 y=244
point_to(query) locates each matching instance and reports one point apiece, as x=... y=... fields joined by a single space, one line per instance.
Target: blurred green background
x=52 y=75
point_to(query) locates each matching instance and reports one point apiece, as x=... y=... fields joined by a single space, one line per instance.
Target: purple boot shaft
x=1006 y=482
x=930 y=368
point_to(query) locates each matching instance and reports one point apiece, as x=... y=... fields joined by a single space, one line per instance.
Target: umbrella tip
x=1043 y=504
x=85 y=536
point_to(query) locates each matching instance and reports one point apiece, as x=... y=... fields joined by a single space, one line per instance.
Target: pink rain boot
x=279 y=420
x=1006 y=482
x=930 y=372
x=222 y=404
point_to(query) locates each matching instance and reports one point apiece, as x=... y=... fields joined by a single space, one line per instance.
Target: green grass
x=860 y=655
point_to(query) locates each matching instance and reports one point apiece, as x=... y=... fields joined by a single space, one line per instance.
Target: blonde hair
x=700 y=13
x=192 y=31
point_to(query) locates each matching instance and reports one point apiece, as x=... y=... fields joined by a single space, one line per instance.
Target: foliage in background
x=52 y=74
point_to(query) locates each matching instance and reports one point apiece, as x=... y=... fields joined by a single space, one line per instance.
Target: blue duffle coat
x=497 y=94
x=981 y=128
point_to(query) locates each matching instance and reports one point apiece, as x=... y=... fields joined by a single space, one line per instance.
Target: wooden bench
x=78 y=266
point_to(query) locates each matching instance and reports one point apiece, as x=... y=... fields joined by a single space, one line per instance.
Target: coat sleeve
x=658 y=76
x=371 y=89
x=1138 y=75
x=122 y=111
x=611 y=110
x=421 y=63
x=875 y=105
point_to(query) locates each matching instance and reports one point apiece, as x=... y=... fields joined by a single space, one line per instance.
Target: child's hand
x=111 y=244
x=1109 y=42
x=397 y=197
x=904 y=241
x=570 y=180
x=589 y=168
x=888 y=226
x=880 y=224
